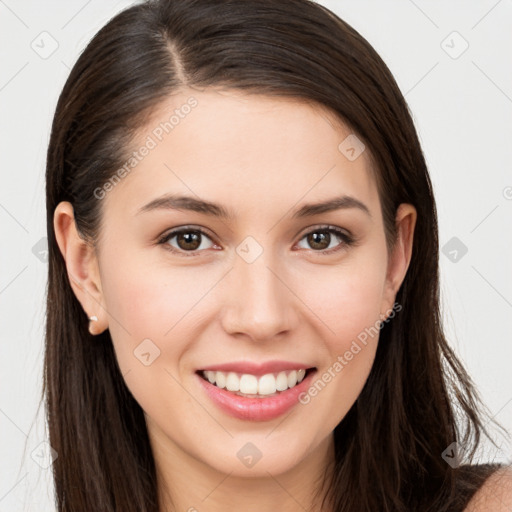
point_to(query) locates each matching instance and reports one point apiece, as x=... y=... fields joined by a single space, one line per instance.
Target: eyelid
x=168 y=235
x=324 y=227
x=348 y=238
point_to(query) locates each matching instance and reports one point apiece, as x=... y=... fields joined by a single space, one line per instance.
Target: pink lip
x=257 y=369
x=255 y=409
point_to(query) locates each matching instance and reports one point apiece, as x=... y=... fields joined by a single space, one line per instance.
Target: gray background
x=461 y=100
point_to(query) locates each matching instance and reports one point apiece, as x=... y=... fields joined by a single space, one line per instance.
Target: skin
x=262 y=158
x=495 y=494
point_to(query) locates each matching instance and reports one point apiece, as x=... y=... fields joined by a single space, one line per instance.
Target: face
x=271 y=287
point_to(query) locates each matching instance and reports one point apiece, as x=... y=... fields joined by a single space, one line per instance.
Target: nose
x=259 y=302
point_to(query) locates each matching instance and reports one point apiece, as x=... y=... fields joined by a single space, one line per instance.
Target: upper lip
x=258 y=369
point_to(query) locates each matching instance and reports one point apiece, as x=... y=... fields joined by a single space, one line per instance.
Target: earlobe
x=81 y=265
x=400 y=258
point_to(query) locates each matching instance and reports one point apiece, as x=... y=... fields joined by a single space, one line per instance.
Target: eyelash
x=348 y=240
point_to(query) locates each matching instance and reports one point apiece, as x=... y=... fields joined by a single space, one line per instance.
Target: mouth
x=253 y=386
x=257 y=396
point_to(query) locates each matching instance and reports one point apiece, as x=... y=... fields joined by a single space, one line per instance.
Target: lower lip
x=256 y=409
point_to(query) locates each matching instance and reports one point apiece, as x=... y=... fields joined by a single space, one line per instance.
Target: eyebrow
x=175 y=202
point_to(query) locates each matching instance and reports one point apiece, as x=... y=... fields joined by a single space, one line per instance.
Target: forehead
x=245 y=150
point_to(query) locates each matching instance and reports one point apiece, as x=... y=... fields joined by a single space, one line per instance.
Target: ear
x=400 y=257
x=82 y=266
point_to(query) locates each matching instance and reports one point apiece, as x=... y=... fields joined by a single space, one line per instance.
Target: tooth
x=232 y=382
x=248 y=384
x=220 y=379
x=292 y=379
x=281 y=381
x=267 y=384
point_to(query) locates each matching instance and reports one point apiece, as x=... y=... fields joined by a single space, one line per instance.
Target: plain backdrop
x=452 y=62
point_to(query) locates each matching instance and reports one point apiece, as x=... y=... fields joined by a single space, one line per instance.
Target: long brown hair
x=388 y=447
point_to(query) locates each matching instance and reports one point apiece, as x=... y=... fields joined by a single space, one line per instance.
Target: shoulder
x=495 y=494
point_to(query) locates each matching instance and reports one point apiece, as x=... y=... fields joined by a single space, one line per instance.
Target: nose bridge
x=260 y=305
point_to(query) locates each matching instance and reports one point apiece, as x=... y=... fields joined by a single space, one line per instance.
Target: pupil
x=318 y=239
x=191 y=240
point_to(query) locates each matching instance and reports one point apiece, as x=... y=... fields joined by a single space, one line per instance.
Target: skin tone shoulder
x=273 y=279
x=495 y=495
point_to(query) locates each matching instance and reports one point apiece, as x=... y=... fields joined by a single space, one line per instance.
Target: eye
x=320 y=239
x=187 y=240
x=191 y=240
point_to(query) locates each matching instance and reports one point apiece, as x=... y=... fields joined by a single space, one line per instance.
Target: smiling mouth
x=253 y=386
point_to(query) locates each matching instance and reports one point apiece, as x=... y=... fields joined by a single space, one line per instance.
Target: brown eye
x=319 y=240
x=186 y=240
x=327 y=239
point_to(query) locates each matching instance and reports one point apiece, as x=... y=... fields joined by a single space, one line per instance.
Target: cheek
x=143 y=294
x=150 y=333
x=349 y=311
x=150 y=300
x=346 y=299
x=139 y=303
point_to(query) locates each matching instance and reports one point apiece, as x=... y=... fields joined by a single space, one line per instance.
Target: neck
x=188 y=484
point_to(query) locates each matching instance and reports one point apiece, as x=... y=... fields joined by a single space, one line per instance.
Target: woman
x=243 y=303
